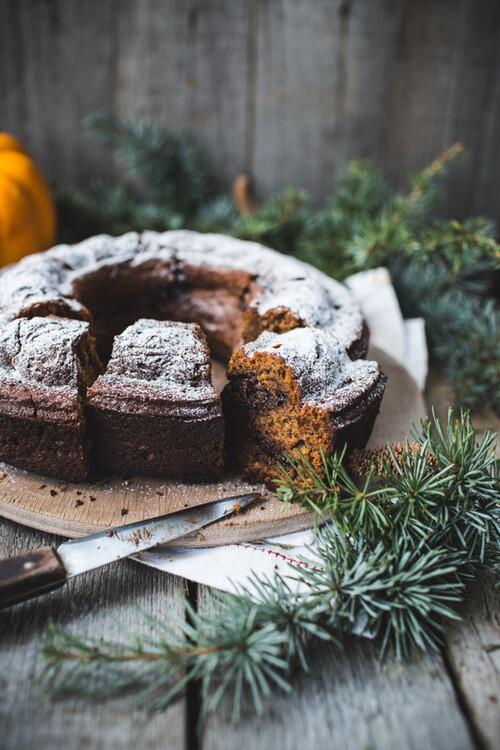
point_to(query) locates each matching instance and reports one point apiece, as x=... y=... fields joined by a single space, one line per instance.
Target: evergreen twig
x=396 y=563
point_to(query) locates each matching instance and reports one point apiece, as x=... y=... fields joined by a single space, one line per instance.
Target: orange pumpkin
x=27 y=212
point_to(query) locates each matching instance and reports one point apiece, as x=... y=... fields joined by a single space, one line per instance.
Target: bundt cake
x=154 y=411
x=297 y=392
x=236 y=291
x=46 y=365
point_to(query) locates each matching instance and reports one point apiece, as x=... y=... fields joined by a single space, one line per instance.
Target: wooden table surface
x=349 y=700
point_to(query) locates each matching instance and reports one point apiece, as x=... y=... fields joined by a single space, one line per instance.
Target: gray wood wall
x=288 y=90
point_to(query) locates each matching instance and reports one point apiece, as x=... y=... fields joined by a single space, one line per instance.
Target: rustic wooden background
x=288 y=90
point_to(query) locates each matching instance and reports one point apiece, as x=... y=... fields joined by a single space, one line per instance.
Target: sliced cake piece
x=154 y=411
x=46 y=365
x=297 y=392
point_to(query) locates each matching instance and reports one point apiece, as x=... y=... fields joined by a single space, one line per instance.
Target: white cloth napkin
x=232 y=565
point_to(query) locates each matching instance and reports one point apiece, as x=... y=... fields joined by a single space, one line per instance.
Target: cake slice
x=154 y=411
x=297 y=392
x=46 y=365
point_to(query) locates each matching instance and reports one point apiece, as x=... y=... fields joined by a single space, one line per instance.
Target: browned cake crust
x=297 y=393
x=154 y=411
x=46 y=365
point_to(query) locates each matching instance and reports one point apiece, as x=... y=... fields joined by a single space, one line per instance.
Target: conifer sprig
x=395 y=563
x=174 y=169
x=443 y=488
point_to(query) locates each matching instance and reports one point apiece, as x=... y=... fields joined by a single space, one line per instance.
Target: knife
x=40 y=571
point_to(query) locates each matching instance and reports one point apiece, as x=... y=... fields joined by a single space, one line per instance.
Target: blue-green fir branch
x=396 y=562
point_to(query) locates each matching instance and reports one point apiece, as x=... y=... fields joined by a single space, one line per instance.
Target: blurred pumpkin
x=27 y=212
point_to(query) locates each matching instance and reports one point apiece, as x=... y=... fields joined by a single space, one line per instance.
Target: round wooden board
x=74 y=510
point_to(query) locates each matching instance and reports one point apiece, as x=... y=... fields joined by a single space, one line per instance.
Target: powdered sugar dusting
x=42 y=350
x=319 y=363
x=160 y=351
x=174 y=353
x=35 y=280
x=284 y=282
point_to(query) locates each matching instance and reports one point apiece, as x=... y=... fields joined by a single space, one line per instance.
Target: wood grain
x=430 y=74
x=320 y=90
x=79 y=509
x=185 y=65
x=445 y=87
x=87 y=605
x=474 y=671
x=56 y=65
x=288 y=90
x=351 y=700
x=475 y=668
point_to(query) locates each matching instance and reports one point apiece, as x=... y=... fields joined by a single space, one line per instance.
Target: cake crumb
x=78 y=503
x=140 y=535
x=124 y=511
x=53 y=493
x=91 y=498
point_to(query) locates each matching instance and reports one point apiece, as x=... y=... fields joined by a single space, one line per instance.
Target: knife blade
x=39 y=571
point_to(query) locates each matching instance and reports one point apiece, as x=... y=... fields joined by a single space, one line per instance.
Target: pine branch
x=401 y=594
x=463 y=331
x=447 y=488
x=426 y=177
x=109 y=209
x=174 y=169
x=279 y=223
x=396 y=562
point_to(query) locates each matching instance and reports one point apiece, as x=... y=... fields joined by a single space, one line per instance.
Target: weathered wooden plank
x=288 y=89
x=475 y=671
x=445 y=86
x=320 y=90
x=185 y=65
x=475 y=668
x=56 y=66
x=352 y=700
x=27 y=718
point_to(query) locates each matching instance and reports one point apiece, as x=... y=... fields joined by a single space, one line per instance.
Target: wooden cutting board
x=74 y=510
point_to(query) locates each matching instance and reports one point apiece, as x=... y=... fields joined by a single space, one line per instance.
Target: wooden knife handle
x=30 y=574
